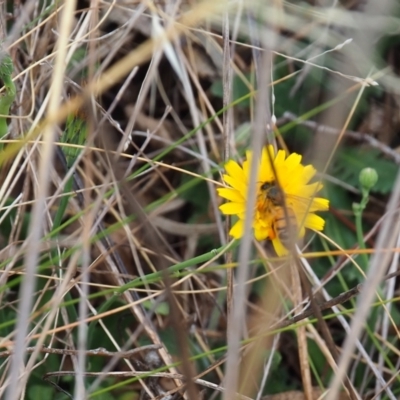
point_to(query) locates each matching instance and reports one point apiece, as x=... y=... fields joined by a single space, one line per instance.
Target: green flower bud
x=368 y=178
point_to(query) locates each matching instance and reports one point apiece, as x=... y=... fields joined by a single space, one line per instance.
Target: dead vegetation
x=117 y=277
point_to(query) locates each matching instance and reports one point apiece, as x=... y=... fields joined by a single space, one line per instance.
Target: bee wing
x=307 y=204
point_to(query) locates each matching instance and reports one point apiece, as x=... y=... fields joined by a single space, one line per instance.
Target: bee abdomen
x=285 y=226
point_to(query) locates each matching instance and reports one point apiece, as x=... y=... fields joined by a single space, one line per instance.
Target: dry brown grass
x=141 y=256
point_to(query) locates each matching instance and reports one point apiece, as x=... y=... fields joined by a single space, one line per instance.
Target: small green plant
x=368 y=178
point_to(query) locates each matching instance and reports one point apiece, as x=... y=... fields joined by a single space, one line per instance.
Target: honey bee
x=284 y=219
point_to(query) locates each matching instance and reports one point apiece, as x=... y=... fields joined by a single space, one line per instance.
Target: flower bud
x=368 y=178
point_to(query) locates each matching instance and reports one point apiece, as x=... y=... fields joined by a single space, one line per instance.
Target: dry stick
x=301 y=334
x=3 y=29
x=342 y=298
x=268 y=366
x=261 y=126
x=100 y=352
x=227 y=122
x=88 y=221
x=323 y=326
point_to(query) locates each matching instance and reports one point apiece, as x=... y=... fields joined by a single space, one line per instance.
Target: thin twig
x=100 y=352
x=340 y=299
x=360 y=136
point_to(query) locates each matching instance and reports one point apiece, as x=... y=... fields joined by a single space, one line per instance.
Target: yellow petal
x=247 y=164
x=291 y=185
x=235 y=171
x=260 y=233
x=307 y=204
x=299 y=176
x=308 y=172
x=280 y=158
x=268 y=154
x=232 y=208
x=311 y=189
x=280 y=249
x=236 y=184
x=231 y=194
x=237 y=229
x=266 y=172
x=293 y=160
x=315 y=222
x=271 y=150
x=319 y=204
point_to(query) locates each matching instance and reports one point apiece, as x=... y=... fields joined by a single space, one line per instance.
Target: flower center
x=265 y=207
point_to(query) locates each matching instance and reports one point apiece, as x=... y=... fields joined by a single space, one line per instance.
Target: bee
x=284 y=222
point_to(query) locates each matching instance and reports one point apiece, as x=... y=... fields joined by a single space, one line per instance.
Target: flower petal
x=311 y=189
x=293 y=161
x=230 y=194
x=319 y=204
x=280 y=249
x=235 y=171
x=308 y=172
x=314 y=221
x=247 y=164
x=237 y=229
x=266 y=172
x=236 y=184
x=280 y=158
x=232 y=208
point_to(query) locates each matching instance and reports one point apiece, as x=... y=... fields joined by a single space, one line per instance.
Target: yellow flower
x=286 y=197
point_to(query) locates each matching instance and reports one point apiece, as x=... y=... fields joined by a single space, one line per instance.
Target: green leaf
x=196 y=195
x=160 y=309
x=350 y=161
x=335 y=229
x=75 y=133
x=40 y=392
x=9 y=221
